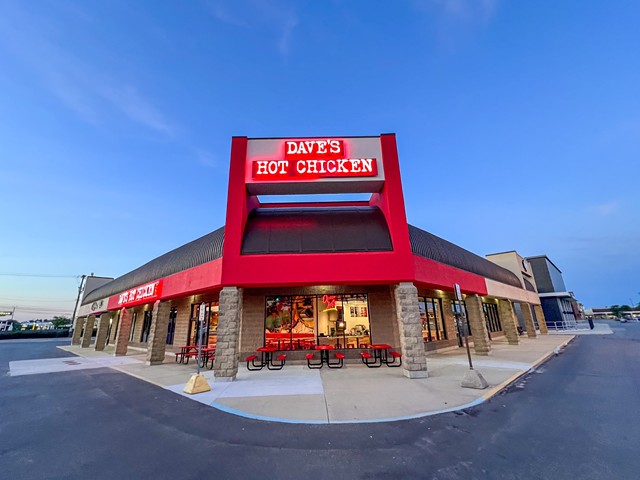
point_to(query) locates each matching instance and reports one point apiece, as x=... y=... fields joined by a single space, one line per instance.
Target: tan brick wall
x=528 y=319
x=137 y=328
x=509 y=322
x=103 y=328
x=383 y=318
x=88 y=330
x=158 y=333
x=78 y=325
x=183 y=307
x=478 y=324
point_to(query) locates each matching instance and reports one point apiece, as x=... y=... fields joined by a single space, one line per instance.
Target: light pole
x=75 y=309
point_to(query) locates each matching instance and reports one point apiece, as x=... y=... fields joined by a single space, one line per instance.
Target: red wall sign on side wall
x=139 y=295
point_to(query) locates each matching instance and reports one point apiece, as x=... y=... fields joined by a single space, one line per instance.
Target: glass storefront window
x=146 y=326
x=491 y=318
x=459 y=310
x=299 y=322
x=210 y=336
x=433 y=328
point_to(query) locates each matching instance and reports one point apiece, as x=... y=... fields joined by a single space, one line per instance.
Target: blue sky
x=518 y=125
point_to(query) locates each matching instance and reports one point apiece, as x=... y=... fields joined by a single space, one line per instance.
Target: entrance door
x=459 y=309
x=171 y=329
x=146 y=326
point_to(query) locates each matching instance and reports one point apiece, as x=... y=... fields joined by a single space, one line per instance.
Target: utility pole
x=75 y=309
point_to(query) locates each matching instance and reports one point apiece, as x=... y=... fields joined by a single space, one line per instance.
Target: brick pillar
x=414 y=358
x=88 y=331
x=225 y=367
x=509 y=322
x=528 y=320
x=103 y=328
x=158 y=336
x=124 y=331
x=77 y=330
x=478 y=324
x=542 y=322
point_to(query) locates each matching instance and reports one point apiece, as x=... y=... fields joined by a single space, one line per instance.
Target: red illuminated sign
x=313 y=159
x=139 y=295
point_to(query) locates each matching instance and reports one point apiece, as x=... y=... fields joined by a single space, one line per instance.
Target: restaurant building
x=297 y=274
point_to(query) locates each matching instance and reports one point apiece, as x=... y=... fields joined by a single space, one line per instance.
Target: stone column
x=509 y=321
x=528 y=320
x=542 y=322
x=124 y=331
x=77 y=330
x=88 y=331
x=103 y=329
x=158 y=336
x=225 y=366
x=414 y=358
x=478 y=324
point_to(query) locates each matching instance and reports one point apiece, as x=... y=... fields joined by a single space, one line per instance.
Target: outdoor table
x=380 y=352
x=324 y=352
x=184 y=350
x=267 y=355
x=208 y=353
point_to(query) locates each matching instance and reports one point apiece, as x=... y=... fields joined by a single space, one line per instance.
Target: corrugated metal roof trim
x=202 y=250
x=430 y=246
x=316 y=230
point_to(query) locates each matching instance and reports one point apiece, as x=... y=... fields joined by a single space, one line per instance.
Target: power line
x=36 y=299
x=38 y=275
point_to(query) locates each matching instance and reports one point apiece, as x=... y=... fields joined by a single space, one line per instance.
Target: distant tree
x=618 y=310
x=60 y=322
x=16 y=326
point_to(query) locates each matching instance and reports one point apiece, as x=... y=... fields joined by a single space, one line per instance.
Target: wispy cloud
x=80 y=85
x=606 y=209
x=129 y=101
x=481 y=10
x=205 y=158
x=276 y=17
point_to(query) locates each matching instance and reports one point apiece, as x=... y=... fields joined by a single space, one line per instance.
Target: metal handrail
x=568 y=325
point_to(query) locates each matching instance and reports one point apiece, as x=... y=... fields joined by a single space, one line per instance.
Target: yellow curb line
x=513 y=378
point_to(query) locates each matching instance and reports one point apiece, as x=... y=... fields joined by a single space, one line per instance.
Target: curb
x=478 y=401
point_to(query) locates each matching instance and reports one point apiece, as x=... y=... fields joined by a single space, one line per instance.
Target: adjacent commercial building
x=295 y=275
x=559 y=306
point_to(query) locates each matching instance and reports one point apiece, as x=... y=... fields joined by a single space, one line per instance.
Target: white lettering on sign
x=313 y=148
x=316 y=168
x=313 y=159
x=139 y=294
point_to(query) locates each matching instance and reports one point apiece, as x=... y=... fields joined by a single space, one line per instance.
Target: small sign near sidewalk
x=197 y=383
x=472 y=378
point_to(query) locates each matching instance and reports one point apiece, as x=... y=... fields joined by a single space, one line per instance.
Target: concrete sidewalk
x=354 y=393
